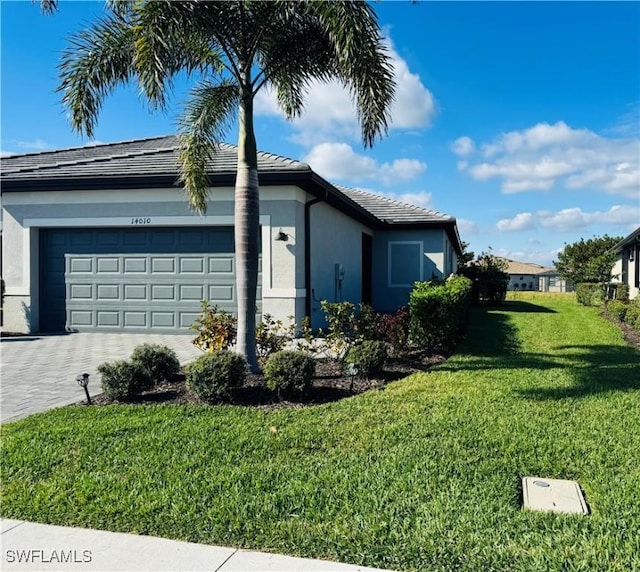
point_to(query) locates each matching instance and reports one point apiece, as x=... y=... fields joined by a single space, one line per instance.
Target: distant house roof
x=515 y=267
x=153 y=162
x=633 y=238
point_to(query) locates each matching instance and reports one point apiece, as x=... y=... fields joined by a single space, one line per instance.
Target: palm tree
x=231 y=50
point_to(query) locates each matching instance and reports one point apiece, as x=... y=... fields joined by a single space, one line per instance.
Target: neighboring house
x=102 y=238
x=533 y=277
x=627 y=267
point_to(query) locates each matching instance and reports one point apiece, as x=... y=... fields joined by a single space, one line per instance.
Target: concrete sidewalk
x=31 y=546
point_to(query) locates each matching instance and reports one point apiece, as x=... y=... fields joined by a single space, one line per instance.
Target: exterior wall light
x=282 y=236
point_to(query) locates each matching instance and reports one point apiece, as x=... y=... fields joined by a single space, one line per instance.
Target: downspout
x=307 y=255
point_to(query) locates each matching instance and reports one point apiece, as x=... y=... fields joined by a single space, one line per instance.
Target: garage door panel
x=142 y=279
x=107 y=265
x=192 y=265
x=82 y=265
x=135 y=265
x=107 y=319
x=135 y=292
x=135 y=319
x=160 y=265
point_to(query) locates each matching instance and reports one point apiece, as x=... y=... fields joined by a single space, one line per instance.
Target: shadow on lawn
x=525 y=307
x=596 y=369
x=492 y=343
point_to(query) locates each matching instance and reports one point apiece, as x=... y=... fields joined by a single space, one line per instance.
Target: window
x=405 y=263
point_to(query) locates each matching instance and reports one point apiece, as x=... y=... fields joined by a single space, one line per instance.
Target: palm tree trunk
x=247 y=226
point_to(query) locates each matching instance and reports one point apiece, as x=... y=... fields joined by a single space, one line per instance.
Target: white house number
x=141 y=220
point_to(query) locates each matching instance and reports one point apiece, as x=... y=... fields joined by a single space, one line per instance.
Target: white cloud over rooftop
x=338 y=161
x=330 y=114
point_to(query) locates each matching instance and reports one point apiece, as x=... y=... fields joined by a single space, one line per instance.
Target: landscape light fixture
x=83 y=381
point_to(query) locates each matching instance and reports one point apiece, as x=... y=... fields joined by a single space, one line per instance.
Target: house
x=627 y=268
x=534 y=277
x=100 y=238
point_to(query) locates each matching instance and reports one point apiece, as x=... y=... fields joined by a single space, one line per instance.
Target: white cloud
x=338 y=161
x=522 y=221
x=329 y=111
x=467 y=226
x=420 y=199
x=570 y=219
x=35 y=145
x=544 y=155
x=463 y=146
x=6 y=153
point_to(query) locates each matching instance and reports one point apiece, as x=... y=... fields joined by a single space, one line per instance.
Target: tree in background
x=232 y=50
x=588 y=260
x=489 y=276
x=465 y=258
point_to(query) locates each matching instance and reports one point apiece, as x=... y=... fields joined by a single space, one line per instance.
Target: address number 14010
x=141 y=220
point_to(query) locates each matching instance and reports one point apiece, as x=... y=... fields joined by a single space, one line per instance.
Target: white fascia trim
x=284 y=293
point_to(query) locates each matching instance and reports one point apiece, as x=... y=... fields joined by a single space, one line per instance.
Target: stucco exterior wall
x=336 y=239
x=389 y=296
x=631 y=255
x=529 y=282
x=282 y=208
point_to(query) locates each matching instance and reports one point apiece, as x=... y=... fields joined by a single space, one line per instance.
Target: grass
x=423 y=475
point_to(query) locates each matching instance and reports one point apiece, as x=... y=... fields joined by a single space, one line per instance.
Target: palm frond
x=47 y=6
x=319 y=40
x=98 y=59
x=170 y=37
x=362 y=61
x=206 y=118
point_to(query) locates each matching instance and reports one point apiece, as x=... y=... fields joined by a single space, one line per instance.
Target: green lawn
x=423 y=475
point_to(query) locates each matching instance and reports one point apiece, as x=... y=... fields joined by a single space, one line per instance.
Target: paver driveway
x=38 y=372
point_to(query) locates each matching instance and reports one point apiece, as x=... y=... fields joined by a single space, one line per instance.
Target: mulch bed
x=631 y=335
x=330 y=384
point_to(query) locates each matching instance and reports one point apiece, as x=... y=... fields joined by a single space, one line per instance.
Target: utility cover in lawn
x=553 y=495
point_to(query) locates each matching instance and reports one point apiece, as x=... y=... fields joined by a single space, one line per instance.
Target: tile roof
x=515 y=267
x=153 y=156
x=156 y=159
x=391 y=211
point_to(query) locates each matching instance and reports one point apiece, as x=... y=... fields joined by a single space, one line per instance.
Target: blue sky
x=521 y=119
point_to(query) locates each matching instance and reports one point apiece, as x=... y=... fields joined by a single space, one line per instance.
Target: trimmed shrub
x=622 y=292
x=123 y=380
x=212 y=376
x=160 y=362
x=438 y=312
x=589 y=294
x=368 y=358
x=632 y=317
x=616 y=309
x=289 y=373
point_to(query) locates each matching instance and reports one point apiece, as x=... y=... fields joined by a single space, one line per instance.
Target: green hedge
x=438 y=312
x=590 y=294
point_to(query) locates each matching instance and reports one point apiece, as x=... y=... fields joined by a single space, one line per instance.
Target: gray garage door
x=134 y=279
